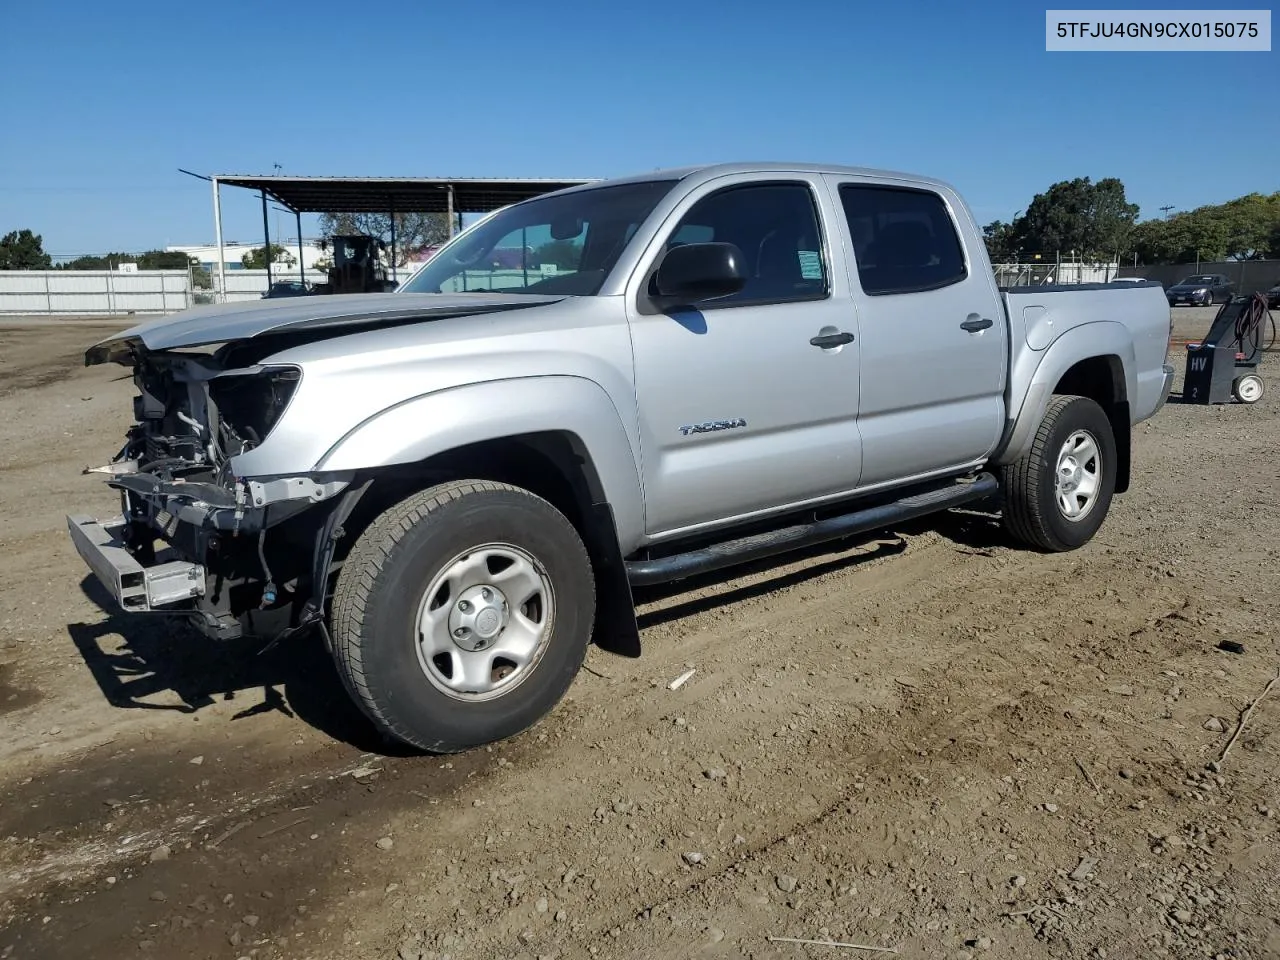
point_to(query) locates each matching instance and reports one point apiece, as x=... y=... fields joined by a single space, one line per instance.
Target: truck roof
x=712 y=170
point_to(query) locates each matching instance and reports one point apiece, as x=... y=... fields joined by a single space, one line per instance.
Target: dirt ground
x=930 y=742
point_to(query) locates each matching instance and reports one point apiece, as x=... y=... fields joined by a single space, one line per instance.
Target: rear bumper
x=1166 y=386
x=161 y=587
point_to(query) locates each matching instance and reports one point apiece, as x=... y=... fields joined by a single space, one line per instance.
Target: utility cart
x=1224 y=365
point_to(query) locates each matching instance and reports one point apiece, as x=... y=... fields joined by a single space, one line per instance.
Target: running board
x=642 y=573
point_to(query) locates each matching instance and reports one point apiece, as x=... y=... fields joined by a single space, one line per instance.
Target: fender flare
x=1099 y=338
x=434 y=423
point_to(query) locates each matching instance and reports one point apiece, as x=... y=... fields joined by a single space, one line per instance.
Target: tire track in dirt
x=598 y=722
x=890 y=754
x=79 y=858
x=896 y=744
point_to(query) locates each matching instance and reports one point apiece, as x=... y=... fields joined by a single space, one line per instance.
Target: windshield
x=563 y=245
x=1196 y=281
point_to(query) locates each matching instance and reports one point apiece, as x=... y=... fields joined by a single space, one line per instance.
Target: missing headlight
x=249 y=404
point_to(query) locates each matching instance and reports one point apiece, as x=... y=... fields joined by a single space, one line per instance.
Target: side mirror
x=695 y=272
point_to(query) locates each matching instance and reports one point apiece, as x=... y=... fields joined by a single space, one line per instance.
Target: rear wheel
x=1057 y=494
x=462 y=615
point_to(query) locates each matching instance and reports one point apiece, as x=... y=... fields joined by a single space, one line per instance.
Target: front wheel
x=1057 y=494
x=462 y=615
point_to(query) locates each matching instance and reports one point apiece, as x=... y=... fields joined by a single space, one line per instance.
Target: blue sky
x=106 y=101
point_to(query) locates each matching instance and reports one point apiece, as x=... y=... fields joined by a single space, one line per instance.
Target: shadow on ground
x=163 y=654
x=970 y=531
x=297 y=678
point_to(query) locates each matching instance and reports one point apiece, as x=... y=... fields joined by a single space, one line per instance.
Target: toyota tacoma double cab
x=456 y=486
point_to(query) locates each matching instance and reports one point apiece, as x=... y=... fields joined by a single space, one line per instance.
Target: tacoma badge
x=712 y=425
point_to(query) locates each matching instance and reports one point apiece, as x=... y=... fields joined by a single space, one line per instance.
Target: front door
x=933 y=334
x=744 y=406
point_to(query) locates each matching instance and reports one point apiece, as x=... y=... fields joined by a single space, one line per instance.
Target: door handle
x=974 y=324
x=831 y=340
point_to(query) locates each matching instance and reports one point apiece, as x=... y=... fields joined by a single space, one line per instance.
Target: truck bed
x=1045 y=318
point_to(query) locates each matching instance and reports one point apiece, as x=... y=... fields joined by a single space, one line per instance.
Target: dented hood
x=341 y=313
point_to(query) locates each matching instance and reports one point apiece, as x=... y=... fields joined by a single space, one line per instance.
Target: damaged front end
x=237 y=555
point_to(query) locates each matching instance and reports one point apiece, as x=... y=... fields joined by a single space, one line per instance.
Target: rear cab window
x=904 y=240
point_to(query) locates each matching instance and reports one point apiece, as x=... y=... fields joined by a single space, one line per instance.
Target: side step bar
x=745 y=549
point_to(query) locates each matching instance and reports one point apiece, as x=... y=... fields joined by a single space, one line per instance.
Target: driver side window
x=775 y=226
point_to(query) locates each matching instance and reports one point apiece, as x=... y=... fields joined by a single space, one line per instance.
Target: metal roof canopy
x=399 y=194
x=389 y=195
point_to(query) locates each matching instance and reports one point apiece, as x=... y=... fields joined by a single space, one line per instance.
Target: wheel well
x=552 y=465
x=1101 y=379
x=556 y=466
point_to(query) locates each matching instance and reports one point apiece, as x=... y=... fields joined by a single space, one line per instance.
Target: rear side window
x=903 y=240
x=775 y=225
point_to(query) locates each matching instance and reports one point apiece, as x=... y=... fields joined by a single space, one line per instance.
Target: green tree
x=1199 y=235
x=87 y=262
x=1151 y=241
x=1245 y=228
x=1273 y=242
x=1249 y=221
x=414 y=231
x=23 y=250
x=148 y=260
x=1002 y=245
x=1094 y=220
x=163 y=260
x=256 y=259
x=1110 y=219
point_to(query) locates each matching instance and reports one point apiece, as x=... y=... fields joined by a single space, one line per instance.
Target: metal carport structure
x=389 y=195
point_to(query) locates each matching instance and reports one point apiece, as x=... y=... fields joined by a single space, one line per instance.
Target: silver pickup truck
x=456 y=485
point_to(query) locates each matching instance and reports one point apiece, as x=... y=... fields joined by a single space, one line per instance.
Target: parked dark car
x=1202 y=289
x=288 y=288
x=1273 y=296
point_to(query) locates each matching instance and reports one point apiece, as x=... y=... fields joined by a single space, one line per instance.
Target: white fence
x=82 y=293
x=104 y=292
x=252 y=284
x=87 y=292
x=1037 y=274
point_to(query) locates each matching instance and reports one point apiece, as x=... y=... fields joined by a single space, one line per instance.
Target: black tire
x=1032 y=513
x=382 y=586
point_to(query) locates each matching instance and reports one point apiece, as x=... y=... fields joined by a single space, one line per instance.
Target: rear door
x=748 y=403
x=934 y=341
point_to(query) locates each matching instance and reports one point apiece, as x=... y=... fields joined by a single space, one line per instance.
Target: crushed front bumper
x=162 y=587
